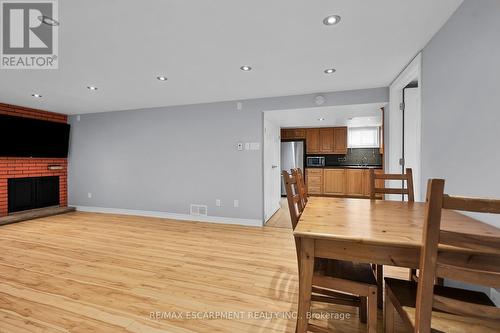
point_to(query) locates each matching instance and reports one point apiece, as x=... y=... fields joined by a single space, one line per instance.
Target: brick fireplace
x=15 y=167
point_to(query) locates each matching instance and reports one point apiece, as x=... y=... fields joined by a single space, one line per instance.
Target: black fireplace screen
x=33 y=192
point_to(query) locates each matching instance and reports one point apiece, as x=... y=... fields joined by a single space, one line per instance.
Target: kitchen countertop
x=348 y=167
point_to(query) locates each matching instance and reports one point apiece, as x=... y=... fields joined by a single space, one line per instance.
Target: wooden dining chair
x=336 y=281
x=407 y=177
x=374 y=191
x=426 y=307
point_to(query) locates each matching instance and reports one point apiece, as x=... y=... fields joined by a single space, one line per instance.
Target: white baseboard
x=495 y=296
x=173 y=216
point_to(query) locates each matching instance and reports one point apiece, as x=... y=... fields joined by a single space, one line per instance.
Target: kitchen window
x=363 y=137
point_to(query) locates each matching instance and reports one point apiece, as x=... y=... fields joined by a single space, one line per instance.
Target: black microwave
x=315 y=161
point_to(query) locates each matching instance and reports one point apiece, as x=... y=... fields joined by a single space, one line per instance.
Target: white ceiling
x=121 y=46
x=365 y=114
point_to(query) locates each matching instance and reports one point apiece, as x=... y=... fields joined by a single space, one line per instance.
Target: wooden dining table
x=369 y=231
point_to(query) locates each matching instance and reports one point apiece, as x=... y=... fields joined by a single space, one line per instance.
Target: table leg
x=306 y=271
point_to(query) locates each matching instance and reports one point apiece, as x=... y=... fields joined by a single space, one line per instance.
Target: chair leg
x=372 y=310
x=380 y=286
x=363 y=310
x=389 y=312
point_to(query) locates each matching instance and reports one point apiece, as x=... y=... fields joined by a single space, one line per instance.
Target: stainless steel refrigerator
x=292 y=156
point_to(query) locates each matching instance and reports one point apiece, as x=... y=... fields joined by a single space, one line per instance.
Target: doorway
x=404 y=119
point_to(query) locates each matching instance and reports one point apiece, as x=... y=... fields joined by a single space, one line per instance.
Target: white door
x=272 y=177
x=411 y=137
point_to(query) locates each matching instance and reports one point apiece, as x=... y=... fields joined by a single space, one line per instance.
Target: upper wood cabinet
x=293 y=133
x=334 y=181
x=326 y=140
x=330 y=140
x=340 y=140
x=313 y=141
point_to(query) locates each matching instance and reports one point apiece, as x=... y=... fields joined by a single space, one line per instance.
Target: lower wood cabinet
x=340 y=182
x=314 y=181
x=356 y=182
x=334 y=181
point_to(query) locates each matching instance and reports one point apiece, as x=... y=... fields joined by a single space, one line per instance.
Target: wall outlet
x=239 y=106
x=198 y=210
x=217 y=202
x=236 y=203
x=247 y=145
x=89 y=195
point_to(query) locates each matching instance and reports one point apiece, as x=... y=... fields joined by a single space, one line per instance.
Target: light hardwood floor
x=87 y=272
x=281 y=219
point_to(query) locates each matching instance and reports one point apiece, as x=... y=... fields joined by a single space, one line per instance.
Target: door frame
x=265 y=185
x=412 y=72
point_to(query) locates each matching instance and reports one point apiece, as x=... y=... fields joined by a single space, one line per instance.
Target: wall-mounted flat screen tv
x=25 y=137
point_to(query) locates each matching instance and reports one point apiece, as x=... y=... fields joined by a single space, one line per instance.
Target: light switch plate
x=239 y=146
x=255 y=146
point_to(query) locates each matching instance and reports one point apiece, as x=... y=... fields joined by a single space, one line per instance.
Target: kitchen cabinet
x=334 y=181
x=314 y=181
x=340 y=140
x=313 y=141
x=347 y=182
x=356 y=182
x=293 y=133
x=326 y=140
x=329 y=140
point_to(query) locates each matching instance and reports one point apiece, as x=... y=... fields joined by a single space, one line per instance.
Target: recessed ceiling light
x=161 y=78
x=36 y=95
x=91 y=88
x=48 y=21
x=331 y=20
x=321 y=119
x=330 y=71
x=246 y=68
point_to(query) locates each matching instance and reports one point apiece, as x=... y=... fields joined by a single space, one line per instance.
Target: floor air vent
x=200 y=210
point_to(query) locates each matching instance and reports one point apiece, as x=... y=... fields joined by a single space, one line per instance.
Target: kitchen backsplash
x=354 y=156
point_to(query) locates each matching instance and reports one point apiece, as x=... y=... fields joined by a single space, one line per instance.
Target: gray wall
x=460 y=102
x=164 y=159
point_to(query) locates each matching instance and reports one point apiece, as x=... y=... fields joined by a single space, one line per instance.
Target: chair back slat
x=292 y=194
x=385 y=190
x=301 y=186
x=479 y=243
x=470 y=262
x=478 y=262
x=464 y=308
x=407 y=177
x=476 y=205
x=473 y=276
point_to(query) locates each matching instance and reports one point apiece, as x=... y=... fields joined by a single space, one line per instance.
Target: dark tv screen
x=25 y=137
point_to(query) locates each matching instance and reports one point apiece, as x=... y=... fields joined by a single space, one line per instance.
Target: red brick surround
x=15 y=167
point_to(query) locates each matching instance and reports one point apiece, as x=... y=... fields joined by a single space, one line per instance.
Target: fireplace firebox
x=32 y=193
